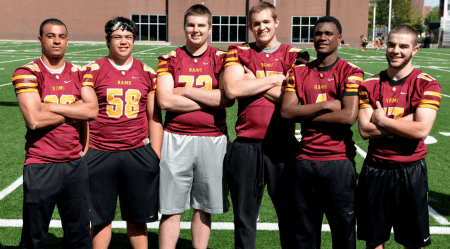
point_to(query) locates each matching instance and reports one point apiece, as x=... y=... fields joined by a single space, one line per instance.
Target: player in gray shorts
x=195 y=138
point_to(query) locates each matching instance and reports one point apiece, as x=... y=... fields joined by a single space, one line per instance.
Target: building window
x=229 y=29
x=151 y=27
x=303 y=29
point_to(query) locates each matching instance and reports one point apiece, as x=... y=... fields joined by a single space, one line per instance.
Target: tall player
x=397 y=111
x=195 y=131
x=54 y=170
x=121 y=159
x=325 y=176
x=264 y=142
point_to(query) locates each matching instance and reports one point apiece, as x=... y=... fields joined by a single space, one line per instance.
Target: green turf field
x=14 y=54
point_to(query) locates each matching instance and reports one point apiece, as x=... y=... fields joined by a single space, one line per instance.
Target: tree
x=402 y=14
x=382 y=14
x=433 y=15
x=417 y=21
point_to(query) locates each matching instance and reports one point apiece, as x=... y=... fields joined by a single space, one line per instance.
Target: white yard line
x=360 y=151
x=6 y=84
x=11 y=188
x=150 y=49
x=187 y=225
x=422 y=51
x=67 y=54
x=86 y=51
x=439 y=218
x=417 y=56
x=28 y=58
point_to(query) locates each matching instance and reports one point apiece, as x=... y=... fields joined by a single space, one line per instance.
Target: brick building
x=426 y=10
x=162 y=20
x=417 y=5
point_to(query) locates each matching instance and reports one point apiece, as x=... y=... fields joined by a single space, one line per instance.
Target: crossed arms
x=374 y=123
x=40 y=115
x=333 y=111
x=188 y=99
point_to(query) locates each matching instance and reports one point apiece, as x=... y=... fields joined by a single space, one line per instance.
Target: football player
x=195 y=139
x=54 y=170
x=363 y=43
x=254 y=74
x=325 y=176
x=397 y=111
x=122 y=160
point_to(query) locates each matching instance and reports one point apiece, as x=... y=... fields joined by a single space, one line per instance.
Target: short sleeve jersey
x=259 y=118
x=122 y=122
x=418 y=90
x=325 y=142
x=60 y=143
x=199 y=72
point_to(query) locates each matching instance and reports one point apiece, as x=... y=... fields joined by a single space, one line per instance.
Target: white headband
x=116 y=26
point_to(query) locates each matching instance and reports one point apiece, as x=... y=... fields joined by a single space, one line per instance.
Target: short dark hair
x=120 y=23
x=405 y=29
x=197 y=10
x=53 y=21
x=329 y=19
x=260 y=6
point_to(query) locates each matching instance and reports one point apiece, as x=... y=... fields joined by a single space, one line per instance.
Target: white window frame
x=158 y=26
x=220 y=29
x=302 y=25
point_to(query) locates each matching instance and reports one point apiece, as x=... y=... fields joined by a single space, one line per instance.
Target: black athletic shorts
x=65 y=185
x=393 y=195
x=133 y=175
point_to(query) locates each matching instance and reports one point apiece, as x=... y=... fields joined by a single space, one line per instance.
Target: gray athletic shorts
x=191 y=174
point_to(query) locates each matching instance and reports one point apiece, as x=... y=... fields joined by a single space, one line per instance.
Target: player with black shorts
x=397 y=111
x=324 y=175
x=363 y=43
x=195 y=132
x=55 y=173
x=254 y=74
x=125 y=140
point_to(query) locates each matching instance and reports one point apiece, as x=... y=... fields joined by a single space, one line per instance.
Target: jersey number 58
x=115 y=107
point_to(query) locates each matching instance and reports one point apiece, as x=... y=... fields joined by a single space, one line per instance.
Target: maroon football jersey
x=257 y=116
x=60 y=143
x=199 y=72
x=325 y=142
x=122 y=122
x=399 y=100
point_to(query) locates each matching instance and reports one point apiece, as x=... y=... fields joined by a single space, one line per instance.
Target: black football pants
x=325 y=187
x=65 y=185
x=249 y=166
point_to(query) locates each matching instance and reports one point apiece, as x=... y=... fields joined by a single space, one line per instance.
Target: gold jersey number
x=203 y=80
x=397 y=112
x=115 y=107
x=261 y=73
x=64 y=99
x=321 y=97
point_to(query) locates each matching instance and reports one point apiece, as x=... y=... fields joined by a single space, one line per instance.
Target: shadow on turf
x=439 y=202
x=9 y=103
x=118 y=240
